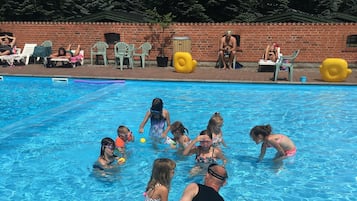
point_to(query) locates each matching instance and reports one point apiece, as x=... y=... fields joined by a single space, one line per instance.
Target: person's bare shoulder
x=190 y=192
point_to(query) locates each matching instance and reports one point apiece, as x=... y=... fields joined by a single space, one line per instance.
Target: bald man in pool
x=215 y=178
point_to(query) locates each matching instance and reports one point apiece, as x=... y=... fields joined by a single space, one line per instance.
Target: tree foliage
x=181 y=10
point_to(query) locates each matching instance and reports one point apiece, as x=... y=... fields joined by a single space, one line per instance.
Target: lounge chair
x=26 y=53
x=73 y=61
x=9 y=59
x=268 y=65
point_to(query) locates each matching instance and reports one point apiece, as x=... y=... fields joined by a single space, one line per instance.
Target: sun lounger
x=10 y=59
x=73 y=61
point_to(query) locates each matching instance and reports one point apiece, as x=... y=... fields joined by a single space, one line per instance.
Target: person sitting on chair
x=272 y=52
x=227 y=48
x=7 y=45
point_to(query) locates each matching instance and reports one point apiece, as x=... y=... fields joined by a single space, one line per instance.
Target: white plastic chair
x=26 y=53
x=99 y=49
x=145 y=49
x=123 y=50
x=286 y=63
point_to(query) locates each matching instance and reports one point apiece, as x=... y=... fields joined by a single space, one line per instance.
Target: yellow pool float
x=184 y=63
x=334 y=70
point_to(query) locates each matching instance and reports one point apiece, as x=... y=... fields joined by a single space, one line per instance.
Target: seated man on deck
x=227 y=48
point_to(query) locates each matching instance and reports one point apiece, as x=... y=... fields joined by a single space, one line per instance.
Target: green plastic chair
x=123 y=50
x=47 y=43
x=46 y=51
x=286 y=63
x=99 y=49
x=143 y=53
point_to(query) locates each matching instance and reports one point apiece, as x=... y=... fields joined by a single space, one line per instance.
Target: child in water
x=284 y=145
x=181 y=139
x=214 y=126
x=124 y=135
x=159 y=184
x=158 y=117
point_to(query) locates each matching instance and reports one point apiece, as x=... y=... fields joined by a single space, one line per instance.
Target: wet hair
x=156 y=108
x=157 y=105
x=122 y=129
x=205 y=132
x=161 y=173
x=263 y=130
x=107 y=141
x=60 y=50
x=178 y=126
x=215 y=123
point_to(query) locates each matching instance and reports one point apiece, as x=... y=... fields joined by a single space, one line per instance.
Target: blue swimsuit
x=157 y=124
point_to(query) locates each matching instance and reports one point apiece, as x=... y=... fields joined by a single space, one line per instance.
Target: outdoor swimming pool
x=51 y=132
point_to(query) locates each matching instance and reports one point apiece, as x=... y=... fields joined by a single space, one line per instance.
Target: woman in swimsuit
x=181 y=139
x=107 y=159
x=284 y=145
x=66 y=53
x=158 y=117
x=272 y=52
x=158 y=186
x=206 y=154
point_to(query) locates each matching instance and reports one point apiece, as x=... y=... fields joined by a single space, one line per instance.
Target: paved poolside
x=151 y=72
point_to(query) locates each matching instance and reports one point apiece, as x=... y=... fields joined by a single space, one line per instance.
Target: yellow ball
x=121 y=160
x=142 y=140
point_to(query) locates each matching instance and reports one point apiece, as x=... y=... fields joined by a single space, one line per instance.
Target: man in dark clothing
x=215 y=178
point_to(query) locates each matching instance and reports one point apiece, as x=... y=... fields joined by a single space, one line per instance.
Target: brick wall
x=316 y=41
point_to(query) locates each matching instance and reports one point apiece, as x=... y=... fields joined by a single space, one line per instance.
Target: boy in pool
x=124 y=135
x=284 y=145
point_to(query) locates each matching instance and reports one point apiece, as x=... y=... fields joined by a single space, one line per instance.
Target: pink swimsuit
x=287 y=152
x=291 y=152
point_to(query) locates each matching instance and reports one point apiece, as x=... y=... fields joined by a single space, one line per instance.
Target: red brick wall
x=316 y=41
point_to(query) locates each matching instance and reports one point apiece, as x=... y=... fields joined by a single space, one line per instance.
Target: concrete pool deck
x=247 y=74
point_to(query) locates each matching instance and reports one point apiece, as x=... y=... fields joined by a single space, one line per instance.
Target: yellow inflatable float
x=334 y=70
x=184 y=63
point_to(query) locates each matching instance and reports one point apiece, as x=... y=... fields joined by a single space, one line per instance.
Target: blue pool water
x=50 y=137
